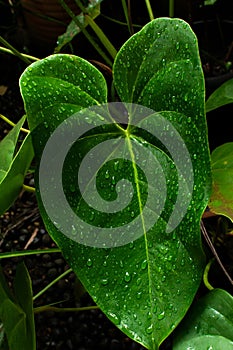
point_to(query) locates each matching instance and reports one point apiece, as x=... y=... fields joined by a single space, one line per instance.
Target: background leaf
x=207 y=324
x=221 y=96
x=23 y=293
x=221 y=200
x=7 y=148
x=12 y=183
x=145 y=287
x=14 y=319
x=93 y=10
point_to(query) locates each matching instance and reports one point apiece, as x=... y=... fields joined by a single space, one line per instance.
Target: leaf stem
x=210 y=244
x=127 y=16
x=4 y=49
x=104 y=40
x=28 y=252
x=65 y=309
x=85 y=32
x=205 y=275
x=171 y=8
x=29 y=188
x=51 y=284
x=8 y=121
x=149 y=9
x=15 y=52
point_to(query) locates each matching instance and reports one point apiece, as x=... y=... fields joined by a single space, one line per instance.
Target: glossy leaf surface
x=145 y=287
x=221 y=200
x=208 y=324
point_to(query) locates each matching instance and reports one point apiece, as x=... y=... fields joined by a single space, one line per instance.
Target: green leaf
x=208 y=324
x=221 y=96
x=146 y=286
x=209 y=2
x=59 y=86
x=159 y=67
x=23 y=293
x=206 y=342
x=12 y=317
x=221 y=200
x=16 y=312
x=7 y=148
x=93 y=10
x=12 y=183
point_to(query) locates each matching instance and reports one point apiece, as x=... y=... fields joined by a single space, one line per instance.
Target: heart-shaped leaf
x=221 y=200
x=163 y=155
x=208 y=324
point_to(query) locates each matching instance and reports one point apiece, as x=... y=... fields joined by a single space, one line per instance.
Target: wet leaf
x=221 y=96
x=208 y=324
x=146 y=285
x=221 y=200
x=58 y=86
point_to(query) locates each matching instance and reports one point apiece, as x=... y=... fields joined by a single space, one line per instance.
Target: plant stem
x=4 y=49
x=104 y=40
x=29 y=188
x=171 y=8
x=28 y=252
x=98 y=31
x=205 y=275
x=149 y=9
x=65 y=309
x=210 y=244
x=51 y=284
x=8 y=121
x=119 y=22
x=16 y=52
x=126 y=13
x=84 y=31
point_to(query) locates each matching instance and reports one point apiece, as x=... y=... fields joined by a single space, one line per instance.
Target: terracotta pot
x=46 y=20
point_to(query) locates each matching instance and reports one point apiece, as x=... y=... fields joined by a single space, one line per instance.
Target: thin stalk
x=126 y=13
x=85 y=32
x=102 y=37
x=149 y=9
x=3 y=49
x=81 y=6
x=205 y=275
x=28 y=252
x=51 y=284
x=16 y=52
x=98 y=31
x=29 y=188
x=119 y=22
x=171 y=8
x=8 y=121
x=210 y=244
x=65 y=309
